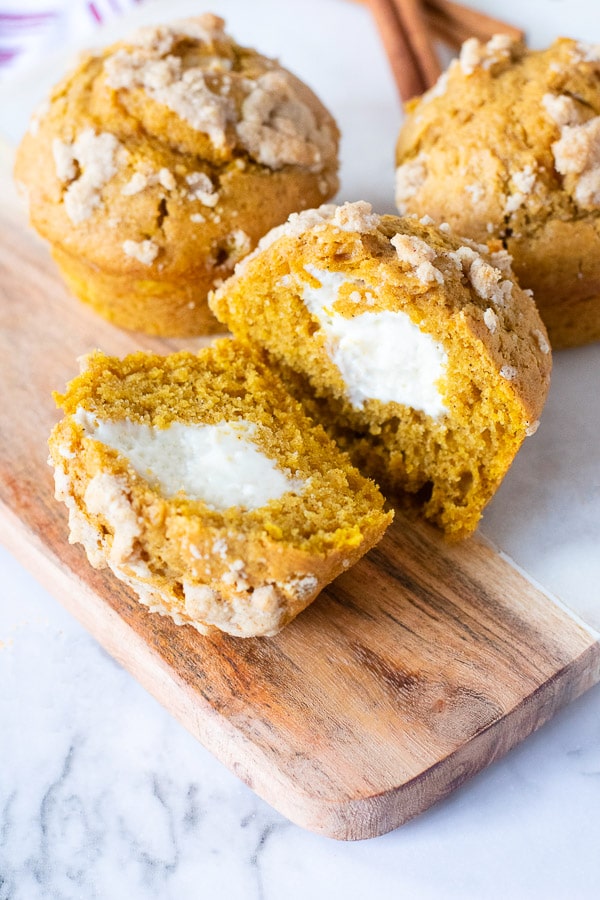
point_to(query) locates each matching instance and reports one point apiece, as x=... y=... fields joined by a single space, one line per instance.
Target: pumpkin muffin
x=158 y=163
x=507 y=146
x=416 y=349
x=204 y=486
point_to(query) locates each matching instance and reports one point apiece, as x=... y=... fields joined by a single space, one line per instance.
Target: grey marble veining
x=74 y=821
x=103 y=796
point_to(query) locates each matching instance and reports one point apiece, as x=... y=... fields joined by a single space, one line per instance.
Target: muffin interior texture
x=201 y=482
x=181 y=389
x=416 y=349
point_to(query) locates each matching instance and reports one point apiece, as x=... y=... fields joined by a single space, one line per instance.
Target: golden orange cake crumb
x=416 y=349
x=204 y=486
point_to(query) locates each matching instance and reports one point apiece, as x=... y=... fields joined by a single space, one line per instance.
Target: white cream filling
x=380 y=355
x=219 y=464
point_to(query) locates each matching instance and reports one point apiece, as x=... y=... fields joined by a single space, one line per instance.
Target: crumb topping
x=185 y=92
x=438 y=89
x=502 y=260
x=106 y=496
x=541 y=340
x=240 y=242
x=136 y=183
x=202 y=189
x=508 y=372
x=357 y=217
x=491 y=320
x=302 y=587
x=577 y=153
x=86 y=164
x=144 y=251
x=474 y=54
x=271 y=121
x=220 y=548
x=474 y=245
x=278 y=129
x=486 y=279
x=64 y=162
x=476 y=192
x=584 y=52
x=410 y=177
x=206 y=28
x=488 y=283
x=166 y=179
x=524 y=181
x=419 y=256
x=562 y=109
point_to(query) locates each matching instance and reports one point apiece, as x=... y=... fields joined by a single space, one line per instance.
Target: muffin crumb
x=202 y=189
x=491 y=320
x=86 y=165
x=144 y=251
x=475 y=54
x=410 y=177
x=419 y=256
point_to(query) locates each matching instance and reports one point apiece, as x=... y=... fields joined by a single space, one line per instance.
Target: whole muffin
x=507 y=146
x=158 y=163
x=415 y=348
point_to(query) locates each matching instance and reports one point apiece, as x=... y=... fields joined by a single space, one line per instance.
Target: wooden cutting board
x=409 y=674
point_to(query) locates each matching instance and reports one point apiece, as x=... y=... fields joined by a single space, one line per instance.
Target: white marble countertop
x=104 y=795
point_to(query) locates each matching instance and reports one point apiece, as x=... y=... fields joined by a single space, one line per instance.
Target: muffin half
x=416 y=349
x=203 y=485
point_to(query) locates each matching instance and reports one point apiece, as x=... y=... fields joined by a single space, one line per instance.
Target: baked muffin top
x=146 y=135
x=415 y=347
x=337 y=279
x=508 y=139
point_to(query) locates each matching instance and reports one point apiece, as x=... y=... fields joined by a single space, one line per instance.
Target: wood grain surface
x=414 y=670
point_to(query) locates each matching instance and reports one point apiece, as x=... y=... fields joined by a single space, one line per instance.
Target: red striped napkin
x=31 y=28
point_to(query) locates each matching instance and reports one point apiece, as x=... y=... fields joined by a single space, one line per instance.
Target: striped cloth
x=31 y=28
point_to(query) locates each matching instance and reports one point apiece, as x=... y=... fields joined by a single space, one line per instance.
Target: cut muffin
x=204 y=486
x=507 y=146
x=416 y=349
x=172 y=153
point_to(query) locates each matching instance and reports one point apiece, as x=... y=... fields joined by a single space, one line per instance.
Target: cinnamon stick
x=461 y=22
x=406 y=39
x=453 y=23
x=414 y=23
x=407 y=27
x=446 y=30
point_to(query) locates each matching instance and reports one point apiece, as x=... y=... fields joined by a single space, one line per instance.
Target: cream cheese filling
x=381 y=355
x=219 y=464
